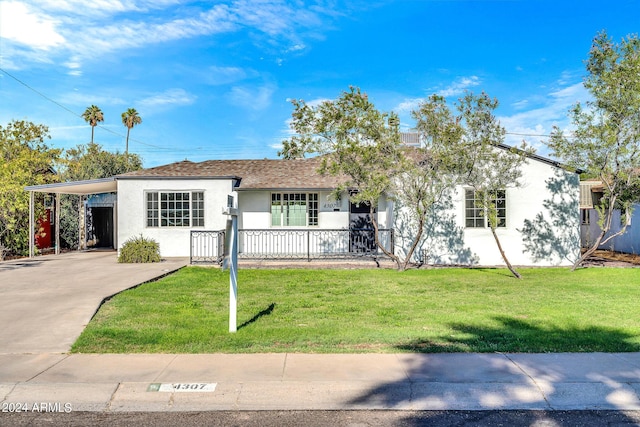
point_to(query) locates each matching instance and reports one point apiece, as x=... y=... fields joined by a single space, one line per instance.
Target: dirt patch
x=602 y=258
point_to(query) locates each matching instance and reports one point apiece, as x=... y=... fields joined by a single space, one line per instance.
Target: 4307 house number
x=182 y=387
x=194 y=387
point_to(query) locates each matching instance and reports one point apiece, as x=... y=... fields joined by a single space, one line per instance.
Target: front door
x=100 y=227
x=361 y=232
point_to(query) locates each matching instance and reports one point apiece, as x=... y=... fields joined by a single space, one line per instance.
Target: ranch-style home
x=286 y=210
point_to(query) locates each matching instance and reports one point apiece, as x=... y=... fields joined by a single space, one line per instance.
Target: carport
x=80 y=188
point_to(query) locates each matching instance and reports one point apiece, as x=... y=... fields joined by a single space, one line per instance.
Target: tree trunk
x=504 y=256
x=377 y=240
x=415 y=242
x=588 y=252
x=126 y=147
x=601 y=240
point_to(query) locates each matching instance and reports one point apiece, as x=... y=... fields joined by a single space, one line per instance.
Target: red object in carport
x=43 y=231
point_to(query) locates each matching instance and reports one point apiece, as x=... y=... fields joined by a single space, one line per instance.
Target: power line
x=528 y=134
x=39 y=93
x=173 y=149
x=76 y=114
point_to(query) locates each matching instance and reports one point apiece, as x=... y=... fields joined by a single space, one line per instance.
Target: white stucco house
x=285 y=210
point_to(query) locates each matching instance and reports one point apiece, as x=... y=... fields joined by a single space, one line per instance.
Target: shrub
x=139 y=249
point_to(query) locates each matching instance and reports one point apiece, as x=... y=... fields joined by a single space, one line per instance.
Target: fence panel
x=207 y=246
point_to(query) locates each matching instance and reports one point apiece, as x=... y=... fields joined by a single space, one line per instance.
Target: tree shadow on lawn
x=267 y=311
x=491 y=381
x=516 y=335
x=498 y=271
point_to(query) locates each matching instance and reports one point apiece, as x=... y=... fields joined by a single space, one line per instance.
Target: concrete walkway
x=46 y=301
x=164 y=382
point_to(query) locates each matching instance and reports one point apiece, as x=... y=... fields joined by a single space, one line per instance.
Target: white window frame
x=483 y=218
x=288 y=199
x=161 y=208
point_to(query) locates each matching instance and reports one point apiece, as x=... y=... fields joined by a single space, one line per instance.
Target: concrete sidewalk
x=141 y=382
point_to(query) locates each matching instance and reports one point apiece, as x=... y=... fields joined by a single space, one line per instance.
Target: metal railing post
x=191 y=247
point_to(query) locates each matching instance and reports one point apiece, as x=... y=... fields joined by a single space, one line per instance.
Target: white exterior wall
x=255 y=210
x=542 y=225
x=174 y=241
x=255 y=214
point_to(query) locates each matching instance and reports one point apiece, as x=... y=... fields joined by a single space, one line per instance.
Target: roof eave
x=298 y=189
x=169 y=177
x=90 y=186
x=543 y=159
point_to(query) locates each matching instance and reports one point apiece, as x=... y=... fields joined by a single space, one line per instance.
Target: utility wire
x=168 y=148
x=76 y=114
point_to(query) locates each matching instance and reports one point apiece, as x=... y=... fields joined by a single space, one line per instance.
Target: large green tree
x=473 y=141
x=605 y=141
x=93 y=115
x=85 y=162
x=490 y=168
x=363 y=146
x=130 y=118
x=25 y=159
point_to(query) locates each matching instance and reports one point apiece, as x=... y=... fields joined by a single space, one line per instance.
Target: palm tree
x=130 y=118
x=93 y=115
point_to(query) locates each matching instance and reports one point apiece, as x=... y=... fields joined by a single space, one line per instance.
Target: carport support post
x=57 y=215
x=31 y=221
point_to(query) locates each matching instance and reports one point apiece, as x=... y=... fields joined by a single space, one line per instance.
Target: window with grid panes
x=294 y=209
x=475 y=216
x=175 y=209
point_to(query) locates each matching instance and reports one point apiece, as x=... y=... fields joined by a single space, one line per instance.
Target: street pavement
x=37 y=373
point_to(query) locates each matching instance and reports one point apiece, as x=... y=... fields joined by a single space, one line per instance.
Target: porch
x=292 y=244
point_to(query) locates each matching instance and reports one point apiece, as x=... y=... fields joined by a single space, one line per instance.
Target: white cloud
x=534 y=124
x=316 y=102
x=25 y=26
x=169 y=97
x=74 y=68
x=225 y=75
x=133 y=34
x=104 y=7
x=459 y=86
x=296 y=47
x=408 y=105
x=313 y=103
x=255 y=99
x=91 y=30
x=520 y=104
x=77 y=99
x=273 y=17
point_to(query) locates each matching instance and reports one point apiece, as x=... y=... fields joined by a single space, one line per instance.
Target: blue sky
x=213 y=79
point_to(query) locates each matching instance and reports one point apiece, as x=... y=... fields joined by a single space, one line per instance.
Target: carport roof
x=90 y=186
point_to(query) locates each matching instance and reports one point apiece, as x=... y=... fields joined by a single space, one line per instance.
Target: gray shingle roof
x=254 y=174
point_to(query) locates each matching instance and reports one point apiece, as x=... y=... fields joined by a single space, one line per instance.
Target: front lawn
x=355 y=311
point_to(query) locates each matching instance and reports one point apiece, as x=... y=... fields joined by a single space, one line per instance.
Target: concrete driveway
x=46 y=301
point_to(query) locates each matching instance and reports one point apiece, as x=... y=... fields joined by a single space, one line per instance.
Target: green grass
x=334 y=311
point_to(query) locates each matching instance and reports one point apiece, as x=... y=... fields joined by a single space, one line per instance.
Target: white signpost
x=232 y=258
